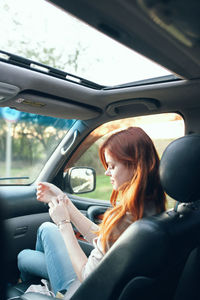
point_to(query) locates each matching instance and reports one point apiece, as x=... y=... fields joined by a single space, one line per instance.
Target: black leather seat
x=189 y=283
x=148 y=260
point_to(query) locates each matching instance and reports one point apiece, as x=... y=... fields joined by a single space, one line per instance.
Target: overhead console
x=139 y=105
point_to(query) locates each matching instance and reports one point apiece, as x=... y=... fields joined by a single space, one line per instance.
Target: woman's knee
x=22 y=258
x=46 y=228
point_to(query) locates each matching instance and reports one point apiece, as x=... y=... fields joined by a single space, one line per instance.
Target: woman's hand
x=48 y=192
x=58 y=210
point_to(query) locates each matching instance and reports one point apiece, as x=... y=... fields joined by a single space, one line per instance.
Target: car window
x=162 y=128
x=26 y=142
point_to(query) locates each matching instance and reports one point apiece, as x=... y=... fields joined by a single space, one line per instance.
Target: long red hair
x=134 y=148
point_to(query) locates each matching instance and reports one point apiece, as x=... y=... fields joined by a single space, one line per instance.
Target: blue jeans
x=50 y=259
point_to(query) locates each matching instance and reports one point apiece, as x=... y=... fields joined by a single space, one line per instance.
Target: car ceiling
x=130 y=23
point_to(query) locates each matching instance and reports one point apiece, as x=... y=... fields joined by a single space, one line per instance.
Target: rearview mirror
x=82 y=180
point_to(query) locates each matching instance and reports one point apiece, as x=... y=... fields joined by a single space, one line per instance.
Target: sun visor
x=51 y=106
x=7 y=91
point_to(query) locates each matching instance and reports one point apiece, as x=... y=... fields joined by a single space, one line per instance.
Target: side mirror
x=81 y=180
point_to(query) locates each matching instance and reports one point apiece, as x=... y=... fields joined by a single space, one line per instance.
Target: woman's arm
x=60 y=215
x=47 y=192
x=84 y=225
x=76 y=254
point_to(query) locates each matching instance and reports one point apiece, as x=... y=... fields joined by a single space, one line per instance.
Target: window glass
x=26 y=142
x=81 y=50
x=162 y=129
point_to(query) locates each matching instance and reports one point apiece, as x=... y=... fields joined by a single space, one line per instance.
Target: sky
x=36 y=24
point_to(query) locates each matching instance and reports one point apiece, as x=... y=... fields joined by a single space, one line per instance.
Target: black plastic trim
x=26 y=63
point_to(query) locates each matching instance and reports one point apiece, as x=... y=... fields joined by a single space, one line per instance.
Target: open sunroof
x=45 y=34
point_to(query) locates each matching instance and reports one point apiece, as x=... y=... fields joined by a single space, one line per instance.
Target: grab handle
x=65 y=150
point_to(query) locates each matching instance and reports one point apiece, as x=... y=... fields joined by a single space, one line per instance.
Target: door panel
x=20 y=201
x=21 y=234
x=83 y=204
x=23 y=214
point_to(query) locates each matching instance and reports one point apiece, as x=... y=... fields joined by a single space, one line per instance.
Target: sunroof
x=39 y=31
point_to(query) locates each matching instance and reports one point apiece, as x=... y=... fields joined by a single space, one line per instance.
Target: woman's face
x=118 y=172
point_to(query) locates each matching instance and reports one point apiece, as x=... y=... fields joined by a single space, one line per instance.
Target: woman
x=132 y=163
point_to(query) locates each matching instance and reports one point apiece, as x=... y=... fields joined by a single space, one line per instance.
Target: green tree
x=90 y=158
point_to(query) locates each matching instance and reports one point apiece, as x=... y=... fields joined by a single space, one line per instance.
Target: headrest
x=180 y=169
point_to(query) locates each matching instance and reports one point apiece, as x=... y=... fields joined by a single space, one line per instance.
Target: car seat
x=148 y=259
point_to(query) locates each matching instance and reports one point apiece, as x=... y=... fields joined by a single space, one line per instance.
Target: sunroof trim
x=42 y=68
x=153 y=80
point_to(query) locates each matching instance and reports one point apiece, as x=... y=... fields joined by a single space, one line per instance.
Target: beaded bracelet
x=62 y=223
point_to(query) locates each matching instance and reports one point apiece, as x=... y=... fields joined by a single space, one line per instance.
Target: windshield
x=26 y=142
x=37 y=30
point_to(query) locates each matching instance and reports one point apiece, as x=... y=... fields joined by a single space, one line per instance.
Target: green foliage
x=38 y=49
x=34 y=137
x=50 y=56
x=31 y=144
x=76 y=181
x=91 y=159
x=103 y=189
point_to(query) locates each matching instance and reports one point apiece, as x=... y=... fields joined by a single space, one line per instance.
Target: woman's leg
x=59 y=267
x=32 y=263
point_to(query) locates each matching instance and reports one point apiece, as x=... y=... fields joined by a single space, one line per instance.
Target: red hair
x=134 y=148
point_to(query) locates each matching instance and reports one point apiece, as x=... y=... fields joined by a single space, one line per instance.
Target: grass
x=20 y=169
x=103 y=189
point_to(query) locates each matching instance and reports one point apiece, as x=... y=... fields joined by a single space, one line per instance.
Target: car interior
x=156 y=257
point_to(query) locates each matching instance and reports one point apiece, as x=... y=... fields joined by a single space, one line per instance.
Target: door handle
x=20 y=231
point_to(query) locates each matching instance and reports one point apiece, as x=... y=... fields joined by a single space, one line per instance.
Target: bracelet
x=62 y=223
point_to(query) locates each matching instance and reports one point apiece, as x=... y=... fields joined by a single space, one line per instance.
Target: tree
x=41 y=47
